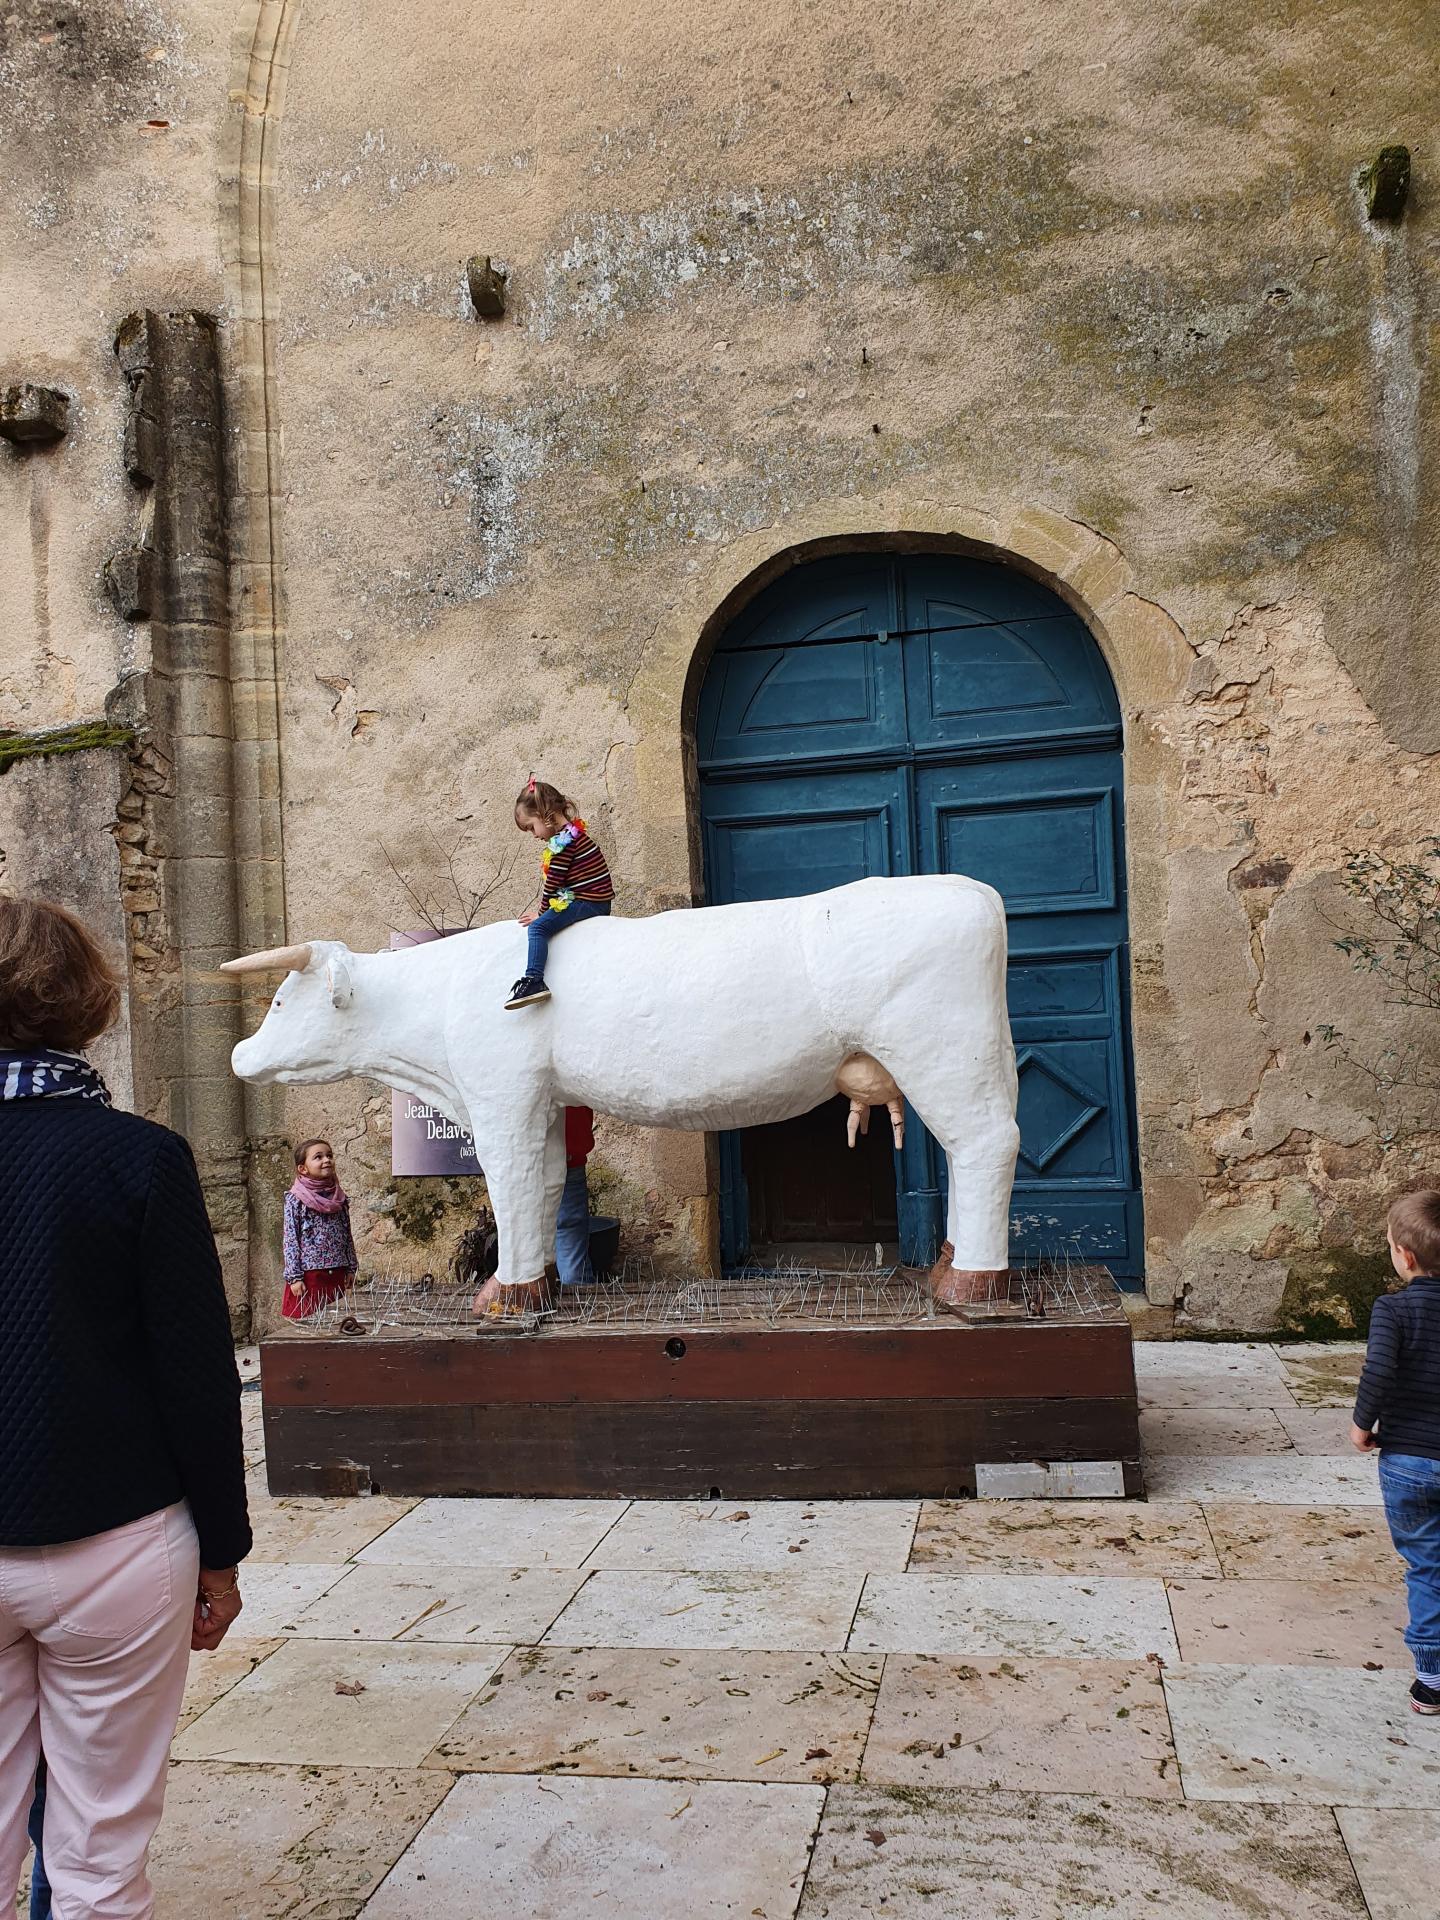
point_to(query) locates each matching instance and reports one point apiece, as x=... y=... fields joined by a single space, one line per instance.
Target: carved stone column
x=174 y=446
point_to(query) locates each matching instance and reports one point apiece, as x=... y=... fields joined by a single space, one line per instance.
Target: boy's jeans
x=1410 y=1488
x=572 y=1232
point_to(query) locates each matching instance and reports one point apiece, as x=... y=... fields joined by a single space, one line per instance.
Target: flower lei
x=557 y=843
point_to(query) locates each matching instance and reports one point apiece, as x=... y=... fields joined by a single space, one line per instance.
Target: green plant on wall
x=1394 y=935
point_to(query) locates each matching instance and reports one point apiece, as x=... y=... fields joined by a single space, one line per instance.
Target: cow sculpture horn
x=273 y=960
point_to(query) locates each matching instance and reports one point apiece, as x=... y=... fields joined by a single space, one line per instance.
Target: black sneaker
x=1424 y=1699
x=528 y=991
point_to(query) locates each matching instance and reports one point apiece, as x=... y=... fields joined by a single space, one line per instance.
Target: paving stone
x=1063 y=1536
x=907 y=1855
x=1330 y=1736
x=783 y=1536
x=455 y=1604
x=1203 y=1374
x=778 y=1612
x=317 y=1530
x=1259 y=1542
x=998 y=1614
x=316 y=1703
x=274 y=1596
x=212 y=1675
x=1043 y=1726
x=533 y=1849
x=495 y=1533
x=1320 y=1375
x=1319 y=1430
x=1289 y=1622
x=1396 y=1856
x=703 y=1716
x=1289 y=1479
x=1212 y=1430
x=275 y=1843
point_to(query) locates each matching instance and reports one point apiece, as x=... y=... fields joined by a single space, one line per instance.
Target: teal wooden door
x=929 y=715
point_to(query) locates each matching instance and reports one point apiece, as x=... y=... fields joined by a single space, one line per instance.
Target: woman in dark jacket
x=122 y=1477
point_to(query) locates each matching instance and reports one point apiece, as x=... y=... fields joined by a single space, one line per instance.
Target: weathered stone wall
x=1090 y=288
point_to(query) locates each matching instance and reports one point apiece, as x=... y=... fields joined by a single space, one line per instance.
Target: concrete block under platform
x=889 y=1401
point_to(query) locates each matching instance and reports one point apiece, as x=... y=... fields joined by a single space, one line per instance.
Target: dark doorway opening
x=806 y=1185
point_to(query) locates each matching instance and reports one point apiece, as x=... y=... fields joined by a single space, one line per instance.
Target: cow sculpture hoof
x=955 y=1289
x=495 y=1302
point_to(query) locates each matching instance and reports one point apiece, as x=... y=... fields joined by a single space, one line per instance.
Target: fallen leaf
x=354 y=1688
x=1374 y=1666
x=875 y=1837
x=792 y=1549
x=742 y=1515
x=765 y=1759
x=1156 y=1658
x=598 y=1694
x=681 y=1808
x=818 y=1753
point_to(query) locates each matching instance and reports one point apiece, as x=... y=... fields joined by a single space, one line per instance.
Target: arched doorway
x=893 y=714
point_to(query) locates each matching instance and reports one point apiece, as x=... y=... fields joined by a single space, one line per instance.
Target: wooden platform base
x=746 y=1413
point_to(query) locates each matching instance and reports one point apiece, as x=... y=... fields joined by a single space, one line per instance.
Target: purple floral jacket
x=315 y=1242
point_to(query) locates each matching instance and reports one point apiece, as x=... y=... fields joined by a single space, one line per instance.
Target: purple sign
x=422 y=1140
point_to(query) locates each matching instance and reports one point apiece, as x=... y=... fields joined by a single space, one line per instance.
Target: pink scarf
x=323 y=1199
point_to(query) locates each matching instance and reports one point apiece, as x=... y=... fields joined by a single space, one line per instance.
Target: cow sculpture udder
x=703 y=1019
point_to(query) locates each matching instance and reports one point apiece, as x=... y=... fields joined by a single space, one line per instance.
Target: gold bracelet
x=222 y=1593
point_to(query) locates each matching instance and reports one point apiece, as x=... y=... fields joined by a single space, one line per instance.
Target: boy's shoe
x=527 y=991
x=1424 y=1699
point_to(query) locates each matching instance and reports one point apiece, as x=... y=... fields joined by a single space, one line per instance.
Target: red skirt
x=321 y=1287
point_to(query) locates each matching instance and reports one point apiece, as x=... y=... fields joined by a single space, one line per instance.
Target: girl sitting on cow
x=320 y=1258
x=575 y=882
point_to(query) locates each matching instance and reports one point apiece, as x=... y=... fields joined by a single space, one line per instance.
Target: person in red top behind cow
x=576 y=883
x=572 y=1229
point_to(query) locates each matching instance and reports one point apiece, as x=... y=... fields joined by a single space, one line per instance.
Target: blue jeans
x=544 y=927
x=39 y=1885
x=1410 y=1488
x=572 y=1232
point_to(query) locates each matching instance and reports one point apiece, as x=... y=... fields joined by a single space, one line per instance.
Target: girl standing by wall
x=320 y=1257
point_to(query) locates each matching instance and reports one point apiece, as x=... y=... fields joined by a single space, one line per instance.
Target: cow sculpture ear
x=337 y=978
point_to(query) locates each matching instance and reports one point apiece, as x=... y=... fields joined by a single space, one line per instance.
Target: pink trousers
x=94 y=1645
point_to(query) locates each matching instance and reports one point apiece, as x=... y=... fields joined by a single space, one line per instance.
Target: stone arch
x=1147 y=655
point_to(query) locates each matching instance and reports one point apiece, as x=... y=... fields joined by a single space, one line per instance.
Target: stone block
x=33 y=416
x=130 y=582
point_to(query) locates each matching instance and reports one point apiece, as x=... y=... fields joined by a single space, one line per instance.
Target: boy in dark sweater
x=1400 y=1388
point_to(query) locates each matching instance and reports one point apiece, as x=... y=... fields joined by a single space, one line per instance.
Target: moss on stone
x=1329 y=1295
x=421 y=1205
x=47 y=743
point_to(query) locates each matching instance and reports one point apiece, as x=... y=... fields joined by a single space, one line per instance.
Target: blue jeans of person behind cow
x=1410 y=1488
x=572 y=1232
x=544 y=927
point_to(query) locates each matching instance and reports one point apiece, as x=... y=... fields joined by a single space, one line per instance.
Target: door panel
x=1044 y=833
x=772 y=838
x=807 y=674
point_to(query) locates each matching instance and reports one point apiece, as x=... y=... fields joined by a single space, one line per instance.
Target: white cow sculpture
x=704 y=1019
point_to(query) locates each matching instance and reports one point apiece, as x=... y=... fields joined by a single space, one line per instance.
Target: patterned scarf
x=557 y=843
x=320 y=1199
x=49 y=1074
